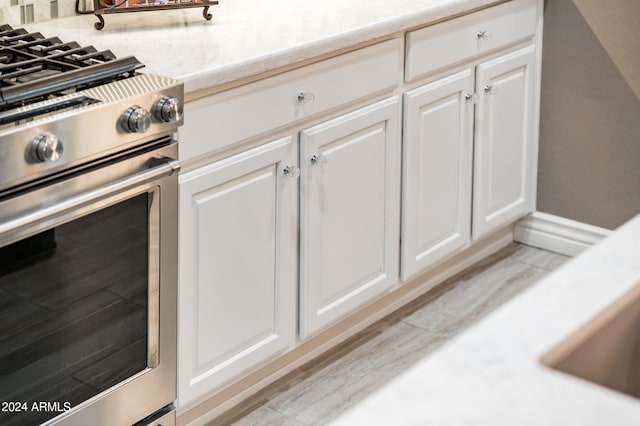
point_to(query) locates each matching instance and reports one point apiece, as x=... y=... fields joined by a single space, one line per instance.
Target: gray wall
x=589 y=164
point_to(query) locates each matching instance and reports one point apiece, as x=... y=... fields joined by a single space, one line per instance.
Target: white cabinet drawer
x=218 y=122
x=451 y=42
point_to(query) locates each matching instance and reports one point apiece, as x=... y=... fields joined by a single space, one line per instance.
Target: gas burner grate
x=33 y=67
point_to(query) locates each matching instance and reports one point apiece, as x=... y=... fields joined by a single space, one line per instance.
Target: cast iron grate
x=34 y=67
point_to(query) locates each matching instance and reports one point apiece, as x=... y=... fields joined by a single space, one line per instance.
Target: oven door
x=88 y=287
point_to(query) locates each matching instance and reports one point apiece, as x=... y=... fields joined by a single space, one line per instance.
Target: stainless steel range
x=88 y=228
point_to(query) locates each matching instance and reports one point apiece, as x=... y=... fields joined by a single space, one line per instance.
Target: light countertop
x=491 y=374
x=248 y=37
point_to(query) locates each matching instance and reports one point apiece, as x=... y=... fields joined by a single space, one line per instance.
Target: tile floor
x=327 y=387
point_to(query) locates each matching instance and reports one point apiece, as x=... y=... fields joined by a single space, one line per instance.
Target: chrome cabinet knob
x=490 y=89
x=471 y=97
x=168 y=110
x=306 y=97
x=291 y=171
x=318 y=160
x=484 y=35
x=136 y=120
x=46 y=147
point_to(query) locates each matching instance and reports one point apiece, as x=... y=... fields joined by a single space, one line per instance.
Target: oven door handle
x=52 y=215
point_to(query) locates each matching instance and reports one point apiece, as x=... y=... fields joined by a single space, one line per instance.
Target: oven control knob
x=46 y=147
x=168 y=109
x=136 y=119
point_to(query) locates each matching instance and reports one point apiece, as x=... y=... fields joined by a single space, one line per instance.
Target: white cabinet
x=437 y=161
x=238 y=265
x=240 y=261
x=387 y=189
x=260 y=107
x=504 y=166
x=239 y=242
x=457 y=41
x=469 y=154
x=349 y=207
x=440 y=130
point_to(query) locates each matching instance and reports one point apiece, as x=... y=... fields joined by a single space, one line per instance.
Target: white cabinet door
x=504 y=153
x=349 y=212
x=437 y=161
x=238 y=242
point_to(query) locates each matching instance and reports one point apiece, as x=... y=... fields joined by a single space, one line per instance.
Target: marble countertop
x=248 y=37
x=491 y=374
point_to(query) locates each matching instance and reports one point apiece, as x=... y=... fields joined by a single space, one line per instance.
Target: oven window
x=73 y=311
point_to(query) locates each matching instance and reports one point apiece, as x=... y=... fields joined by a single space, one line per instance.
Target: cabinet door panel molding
x=438 y=146
x=504 y=150
x=237 y=256
x=349 y=213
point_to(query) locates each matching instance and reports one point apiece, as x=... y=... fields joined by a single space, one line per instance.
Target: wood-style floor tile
x=326 y=392
x=540 y=258
x=265 y=416
x=474 y=297
x=327 y=387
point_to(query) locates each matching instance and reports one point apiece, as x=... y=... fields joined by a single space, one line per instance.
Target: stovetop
x=65 y=107
x=35 y=68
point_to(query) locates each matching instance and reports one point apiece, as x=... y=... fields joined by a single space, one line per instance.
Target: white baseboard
x=557 y=234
